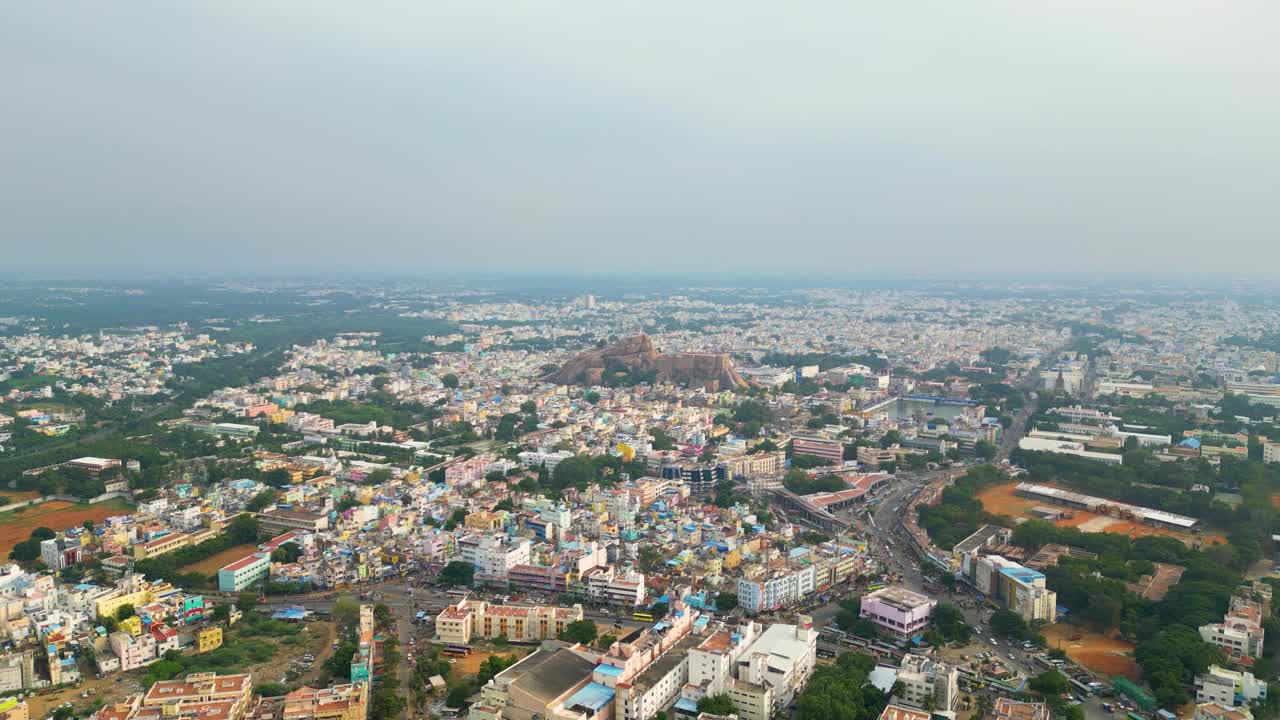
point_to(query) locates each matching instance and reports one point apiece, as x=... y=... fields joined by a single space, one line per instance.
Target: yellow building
x=13 y=709
x=209 y=639
x=132 y=625
x=731 y=559
x=159 y=546
x=483 y=520
x=107 y=606
x=518 y=623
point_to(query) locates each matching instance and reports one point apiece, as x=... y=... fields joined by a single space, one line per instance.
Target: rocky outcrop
x=636 y=357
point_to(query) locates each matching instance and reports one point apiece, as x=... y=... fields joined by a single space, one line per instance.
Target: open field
x=55 y=514
x=470 y=665
x=1001 y=500
x=1100 y=653
x=19 y=495
x=210 y=565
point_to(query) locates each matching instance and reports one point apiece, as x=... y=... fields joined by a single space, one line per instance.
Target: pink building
x=899 y=610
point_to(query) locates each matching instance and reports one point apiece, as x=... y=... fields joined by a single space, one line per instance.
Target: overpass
x=808 y=512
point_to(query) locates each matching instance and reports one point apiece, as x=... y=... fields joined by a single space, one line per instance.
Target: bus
x=457 y=649
x=456 y=593
x=1134 y=716
x=642 y=617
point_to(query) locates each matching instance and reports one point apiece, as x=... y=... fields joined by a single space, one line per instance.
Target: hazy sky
x=836 y=137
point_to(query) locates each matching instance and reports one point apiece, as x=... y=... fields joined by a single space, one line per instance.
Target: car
x=993 y=642
x=1011 y=657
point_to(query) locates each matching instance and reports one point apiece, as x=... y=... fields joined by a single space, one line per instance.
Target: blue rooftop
x=610 y=670
x=593 y=697
x=1022 y=574
x=687 y=705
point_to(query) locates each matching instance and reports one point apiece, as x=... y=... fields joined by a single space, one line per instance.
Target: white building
x=927 y=683
x=778 y=589
x=781 y=659
x=1229 y=687
x=493 y=555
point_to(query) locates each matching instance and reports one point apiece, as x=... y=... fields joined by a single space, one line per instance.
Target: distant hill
x=634 y=359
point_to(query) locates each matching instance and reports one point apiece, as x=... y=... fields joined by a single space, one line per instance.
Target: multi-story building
x=58 y=553
x=1270 y=451
x=493 y=555
x=209 y=639
x=341 y=702
x=781 y=659
x=1240 y=635
x=280 y=521
x=900 y=611
x=244 y=573
x=160 y=546
x=830 y=450
x=765 y=464
x=1229 y=687
x=614 y=587
x=518 y=623
x=927 y=683
x=133 y=652
x=774 y=589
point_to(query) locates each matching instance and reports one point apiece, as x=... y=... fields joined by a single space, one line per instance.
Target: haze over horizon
x=999 y=137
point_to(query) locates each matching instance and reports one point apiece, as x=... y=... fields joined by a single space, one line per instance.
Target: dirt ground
x=1000 y=499
x=1165 y=577
x=55 y=514
x=1104 y=654
x=470 y=665
x=107 y=689
x=210 y=565
x=19 y=495
x=318 y=641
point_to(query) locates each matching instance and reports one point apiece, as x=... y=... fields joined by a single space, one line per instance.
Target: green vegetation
x=580 y=631
x=959 y=513
x=799 y=482
x=948 y=626
x=840 y=691
x=247 y=643
x=457 y=573
x=242 y=530
x=720 y=704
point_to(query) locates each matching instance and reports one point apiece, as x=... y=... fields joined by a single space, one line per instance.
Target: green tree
x=246 y=601
x=720 y=704
x=1049 y=683
x=262 y=500
x=457 y=573
x=450 y=381
x=579 y=631
x=726 y=601
x=660 y=439
x=125 y=612
x=984 y=450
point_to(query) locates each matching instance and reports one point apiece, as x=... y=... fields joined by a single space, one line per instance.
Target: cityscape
x=420 y=503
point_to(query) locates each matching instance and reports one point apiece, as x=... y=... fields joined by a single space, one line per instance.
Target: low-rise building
x=1229 y=687
x=244 y=572
x=903 y=612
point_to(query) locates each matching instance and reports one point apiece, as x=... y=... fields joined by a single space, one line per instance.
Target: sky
x=842 y=137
